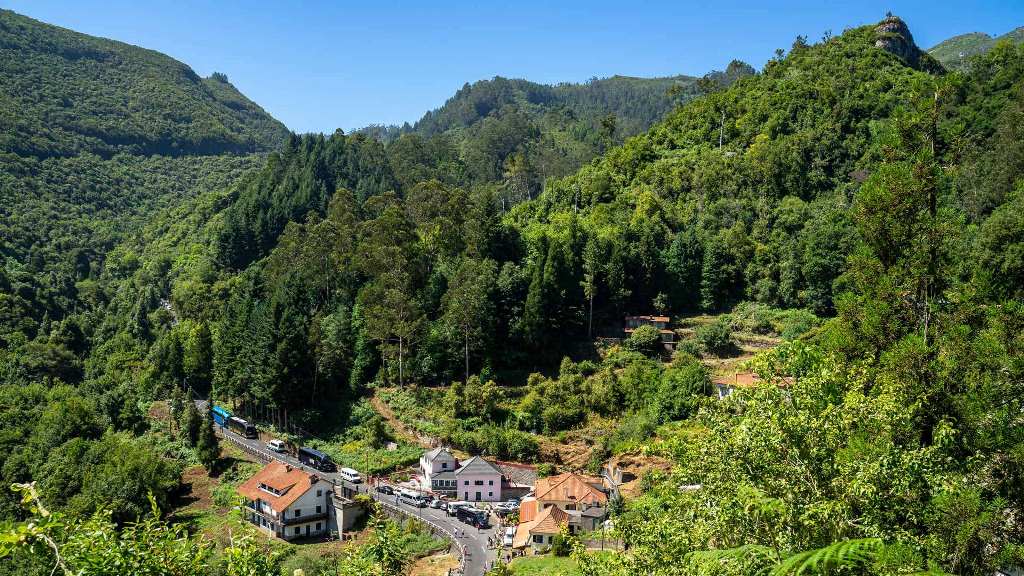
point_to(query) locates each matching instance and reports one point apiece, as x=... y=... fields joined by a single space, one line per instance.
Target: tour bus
x=412 y=498
x=316 y=459
x=220 y=415
x=472 y=516
x=242 y=427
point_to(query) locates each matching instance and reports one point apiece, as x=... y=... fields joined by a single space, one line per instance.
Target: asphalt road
x=474 y=540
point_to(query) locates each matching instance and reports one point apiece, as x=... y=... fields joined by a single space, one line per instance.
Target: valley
x=762 y=321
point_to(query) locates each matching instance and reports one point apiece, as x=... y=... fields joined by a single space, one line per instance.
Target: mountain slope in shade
x=63 y=93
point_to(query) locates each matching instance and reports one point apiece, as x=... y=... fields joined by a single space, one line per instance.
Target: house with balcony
x=286 y=502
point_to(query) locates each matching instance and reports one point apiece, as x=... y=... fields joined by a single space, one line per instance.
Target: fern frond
x=847 y=553
x=746 y=559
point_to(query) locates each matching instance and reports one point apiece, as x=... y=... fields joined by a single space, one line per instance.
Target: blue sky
x=320 y=65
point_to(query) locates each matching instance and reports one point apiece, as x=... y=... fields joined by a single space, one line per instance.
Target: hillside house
x=437 y=471
x=287 y=502
x=582 y=499
x=668 y=337
x=726 y=385
x=539 y=532
x=478 y=480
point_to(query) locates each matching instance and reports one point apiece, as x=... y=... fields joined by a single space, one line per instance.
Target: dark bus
x=241 y=427
x=471 y=516
x=316 y=459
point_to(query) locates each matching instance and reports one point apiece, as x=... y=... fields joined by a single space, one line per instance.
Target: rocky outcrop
x=894 y=37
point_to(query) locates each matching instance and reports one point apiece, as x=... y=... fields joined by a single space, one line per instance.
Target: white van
x=509 y=538
x=350 y=475
x=412 y=498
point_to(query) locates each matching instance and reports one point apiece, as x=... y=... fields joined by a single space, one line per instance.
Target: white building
x=286 y=502
x=437 y=471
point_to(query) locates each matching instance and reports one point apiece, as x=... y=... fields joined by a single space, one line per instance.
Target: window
x=298 y=512
x=317 y=509
x=478 y=482
x=297 y=531
x=444 y=465
x=317 y=526
x=319 y=493
x=465 y=482
x=538 y=539
x=490 y=482
x=490 y=494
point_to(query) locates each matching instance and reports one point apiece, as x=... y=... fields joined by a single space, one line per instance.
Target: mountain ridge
x=63 y=93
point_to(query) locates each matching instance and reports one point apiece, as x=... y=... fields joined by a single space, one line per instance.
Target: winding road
x=472 y=540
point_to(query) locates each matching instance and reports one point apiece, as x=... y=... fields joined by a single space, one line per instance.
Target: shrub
x=646 y=339
x=716 y=338
x=558 y=417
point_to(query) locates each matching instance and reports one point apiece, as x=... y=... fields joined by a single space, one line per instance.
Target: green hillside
x=503 y=130
x=952 y=53
x=63 y=93
x=95 y=136
x=852 y=209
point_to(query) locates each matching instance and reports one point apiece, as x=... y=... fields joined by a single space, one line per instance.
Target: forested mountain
x=854 y=179
x=955 y=51
x=502 y=130
x=94 y=136
x=63 y=93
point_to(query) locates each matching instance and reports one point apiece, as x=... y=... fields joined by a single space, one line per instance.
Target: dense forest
x=503 y=130
x=853 y=180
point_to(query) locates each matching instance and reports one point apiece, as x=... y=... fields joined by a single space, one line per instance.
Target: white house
x=286 y=502
x=437 y=470
x=477 y=480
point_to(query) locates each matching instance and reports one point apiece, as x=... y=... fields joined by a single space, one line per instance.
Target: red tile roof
x=549 y=521
x=289 y=481
x=570 y=487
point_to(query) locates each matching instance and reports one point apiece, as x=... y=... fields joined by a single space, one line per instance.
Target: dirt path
x=397 y=425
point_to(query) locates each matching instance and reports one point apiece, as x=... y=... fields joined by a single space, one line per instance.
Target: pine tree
x=191 y=423
x=207 y=449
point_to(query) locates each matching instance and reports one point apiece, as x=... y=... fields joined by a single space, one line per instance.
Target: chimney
x=287 y=467
x=313 y=479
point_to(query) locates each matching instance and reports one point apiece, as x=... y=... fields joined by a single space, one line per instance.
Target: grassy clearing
x=544 y=566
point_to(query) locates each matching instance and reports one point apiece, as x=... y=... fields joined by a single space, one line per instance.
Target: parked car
x=277 y=446
x=508 y=539
x=385 y=489
x=437 y=503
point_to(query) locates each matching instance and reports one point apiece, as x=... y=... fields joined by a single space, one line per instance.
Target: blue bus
x=220 y=415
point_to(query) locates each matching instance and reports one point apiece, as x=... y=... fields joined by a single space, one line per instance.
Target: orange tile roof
x=570 y=487
x=740 y=379
x=290 y=481
x=549 y=521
